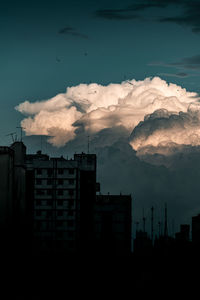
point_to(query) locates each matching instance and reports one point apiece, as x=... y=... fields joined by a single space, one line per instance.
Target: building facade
x=63 y=193
x=113 y=224
x=13 y=209
x=6 y=187
x=196 y=230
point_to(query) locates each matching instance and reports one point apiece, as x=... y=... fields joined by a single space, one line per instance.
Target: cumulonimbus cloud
x=94 y=107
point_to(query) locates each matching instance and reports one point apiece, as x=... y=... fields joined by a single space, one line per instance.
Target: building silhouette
x=184 y=234
x=113 y=224
x=13 y=205
x=196 y=230
x=50 y=205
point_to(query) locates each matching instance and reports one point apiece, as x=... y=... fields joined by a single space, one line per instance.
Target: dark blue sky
x=49 y=45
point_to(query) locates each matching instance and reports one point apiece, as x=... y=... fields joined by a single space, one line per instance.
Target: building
x=196 y=230
x=6 y=187
x=184 y=234
x=13 y=208
x=113 y=224
x=52 y=203
x=142 y=243
x=63 y=194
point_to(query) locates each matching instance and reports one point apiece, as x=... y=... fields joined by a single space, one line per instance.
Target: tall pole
x=152 y=224
x=165 y=229
x=159 y=228
x=137 y=226
x=144 y=221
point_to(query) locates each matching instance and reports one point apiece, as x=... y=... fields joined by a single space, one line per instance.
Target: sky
x=48 y=46
x=124 y=72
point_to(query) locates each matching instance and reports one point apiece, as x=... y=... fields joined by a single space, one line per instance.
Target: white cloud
x=95 y=107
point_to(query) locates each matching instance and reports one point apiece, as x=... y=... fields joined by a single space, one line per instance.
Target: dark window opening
x=49 y=181
x=71 y=171
x=60 y=181
x=59 y=213
x=38 y=202
x=49 y=172
x=60 y=171
x=38 y=171
x=59 y=202
x=60 y=192
x=71 y=192
x=40 y=192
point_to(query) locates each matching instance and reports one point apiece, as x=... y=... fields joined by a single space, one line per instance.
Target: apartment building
x=62 y=192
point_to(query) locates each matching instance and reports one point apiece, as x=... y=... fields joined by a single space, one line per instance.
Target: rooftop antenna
x=165 y=228
x=12 y=135
x=144 y=222
x=173 y=225
x=21 y=128
x=137 y=226
x=152 y=224
x=159 y=228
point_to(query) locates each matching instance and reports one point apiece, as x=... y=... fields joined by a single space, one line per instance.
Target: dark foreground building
x=54 y=204
x=113 y=224
x=14 y=207
x=63 y=195
x=196 y=230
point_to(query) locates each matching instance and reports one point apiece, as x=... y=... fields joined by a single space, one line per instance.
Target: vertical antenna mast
x=152 y=224
x=144 y=221
x=165 y=229
x=159 y=228
x=137 y=226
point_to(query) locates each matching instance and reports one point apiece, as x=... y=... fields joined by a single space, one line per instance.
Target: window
x=70 y=223
x=60 y=213
x=38 y=181
x=49 y=192
x=40 y=192
x=38 y=213
x=49 y=172
x=38 y=225
x=60 y=171
x=49 y=181
x=71 y=181
x=60 y=192
x=71 y=171
x=70 y=234
x=38 y=202
x=49 y=213
x=59 y=234
x=38 y=171
x=59 y=202
x=60 y=181
x=70 y=203
x=71 y=192
x=59 y=223
x=70 y=213
x=71 y=244
x=49 y=202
